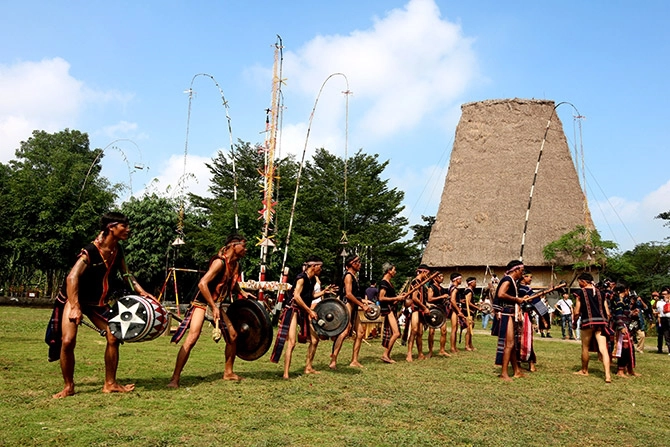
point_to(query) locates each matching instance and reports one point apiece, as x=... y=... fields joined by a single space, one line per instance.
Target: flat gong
x=333 y=317
x=254 y=328
x=436 y=318
x=373 y=312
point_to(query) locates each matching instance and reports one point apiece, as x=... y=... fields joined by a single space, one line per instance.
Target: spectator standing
x=564 y=305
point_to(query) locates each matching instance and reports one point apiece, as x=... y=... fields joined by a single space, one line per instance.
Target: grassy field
x=440 y=401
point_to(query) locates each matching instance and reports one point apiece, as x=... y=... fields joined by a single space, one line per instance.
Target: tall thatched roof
x=482 y=212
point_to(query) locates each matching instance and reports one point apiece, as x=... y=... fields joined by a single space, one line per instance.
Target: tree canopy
x=368 y=217
x=48 y=212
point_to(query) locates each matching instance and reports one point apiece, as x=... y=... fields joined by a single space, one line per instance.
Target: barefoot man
x=595 y=313
x=438 y=296
x=389 y=300
x=298 y=315
x=419 y=310
x=86 y=291
x=350 y=294
x=507 y=296
x=220 y=282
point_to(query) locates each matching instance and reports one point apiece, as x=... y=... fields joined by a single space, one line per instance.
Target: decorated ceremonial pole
x=297 y=184
x=268 y=173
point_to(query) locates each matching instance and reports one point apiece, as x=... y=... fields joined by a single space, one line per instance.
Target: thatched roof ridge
x=483 y=207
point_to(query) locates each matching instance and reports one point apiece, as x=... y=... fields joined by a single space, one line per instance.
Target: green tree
x=153 y=224
x=422 y=232
x=644 y=268
x=370 y=215
x=52 y=214
x=211 y=219
x=580 y=248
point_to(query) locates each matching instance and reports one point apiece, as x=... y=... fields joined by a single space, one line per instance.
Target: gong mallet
x=102 y=332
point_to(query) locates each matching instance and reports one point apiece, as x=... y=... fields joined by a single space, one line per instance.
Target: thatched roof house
x=482 y=212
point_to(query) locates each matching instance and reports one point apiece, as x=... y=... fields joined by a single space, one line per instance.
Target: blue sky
x=118 y=71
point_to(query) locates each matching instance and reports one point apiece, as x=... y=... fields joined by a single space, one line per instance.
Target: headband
x=515 y=268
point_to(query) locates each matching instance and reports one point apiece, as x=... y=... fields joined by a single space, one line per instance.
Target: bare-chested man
x=86 y=291
x=221 y=281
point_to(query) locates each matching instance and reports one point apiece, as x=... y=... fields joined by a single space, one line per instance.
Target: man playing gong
x=350 y=294
x=298 y=315
x=388 y=302
x=419 y=309
x=438 y=296
x=220 y=282
x=86 y=291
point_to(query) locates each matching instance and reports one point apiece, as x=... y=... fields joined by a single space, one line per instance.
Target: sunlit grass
x=439 y=401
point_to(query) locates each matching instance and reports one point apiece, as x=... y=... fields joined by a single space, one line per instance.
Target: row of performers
x=605 y=317
x=87 y=287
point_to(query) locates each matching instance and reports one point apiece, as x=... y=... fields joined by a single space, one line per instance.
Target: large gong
x=436 y=318
x=254 y=328
x=333 y=317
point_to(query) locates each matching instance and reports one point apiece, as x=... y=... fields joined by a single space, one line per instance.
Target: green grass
x=454 y=401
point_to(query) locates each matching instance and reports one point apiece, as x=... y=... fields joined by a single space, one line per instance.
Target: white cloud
x=630 y=222
x=175 y=180
x=42 y=96
x=411 y=64
x=120 y=129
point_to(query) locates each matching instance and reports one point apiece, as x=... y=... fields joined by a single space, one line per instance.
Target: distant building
x=482 y=211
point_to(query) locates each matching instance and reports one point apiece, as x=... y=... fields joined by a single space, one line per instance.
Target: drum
x=135 y=318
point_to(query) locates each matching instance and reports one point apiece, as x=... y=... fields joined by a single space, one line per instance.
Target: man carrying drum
x=85 y=291
x=221 y=281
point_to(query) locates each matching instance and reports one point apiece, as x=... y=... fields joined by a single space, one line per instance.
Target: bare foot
x=65 y=393
x=387 y=360
x=332 y=364
x=532 y=369
x=608 y=380
x=421 y=357
x=284 y=377
x=311 y=371
x=430 y=355
x=519 y=375
x=634 y=374
x=231 y=376
x=409 y=358
x=505 y=378
x=470 y=349
x=454 y=351
x=621 y=374
x=173 y=384
x=581 y=373
x=118 y=388
x=445 y=354
x=355 y=364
